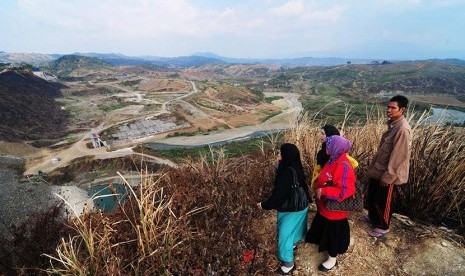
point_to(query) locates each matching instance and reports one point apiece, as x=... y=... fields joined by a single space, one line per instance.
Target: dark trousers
x=379 y=201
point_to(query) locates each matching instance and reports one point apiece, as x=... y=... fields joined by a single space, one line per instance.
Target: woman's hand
x=259 y=205
x=318 y=193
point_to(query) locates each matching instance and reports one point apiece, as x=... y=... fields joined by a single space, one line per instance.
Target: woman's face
x=323 y=136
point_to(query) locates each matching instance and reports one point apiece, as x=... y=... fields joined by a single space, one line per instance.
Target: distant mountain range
x=197 y=59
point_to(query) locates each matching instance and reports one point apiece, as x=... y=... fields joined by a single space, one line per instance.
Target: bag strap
x=296 y=181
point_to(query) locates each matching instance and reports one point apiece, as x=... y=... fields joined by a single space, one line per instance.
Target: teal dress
x=292 y=227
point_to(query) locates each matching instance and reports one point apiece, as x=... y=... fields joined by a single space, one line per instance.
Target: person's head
x=336 y=146
x=290 y=156
x=328 y=130
x=397 y=106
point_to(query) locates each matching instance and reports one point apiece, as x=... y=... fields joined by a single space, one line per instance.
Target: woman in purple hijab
x=336 y=181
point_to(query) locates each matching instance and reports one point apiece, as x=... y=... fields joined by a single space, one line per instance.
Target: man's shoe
x=322 y=268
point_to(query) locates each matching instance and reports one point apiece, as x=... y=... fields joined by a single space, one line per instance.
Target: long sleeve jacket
x=342 y=176
x=282 y=190
x=391 y=163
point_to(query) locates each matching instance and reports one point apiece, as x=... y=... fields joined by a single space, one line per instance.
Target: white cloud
x=290 y=8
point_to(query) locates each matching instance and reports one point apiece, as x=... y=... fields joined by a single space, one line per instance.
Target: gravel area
x=19 y=201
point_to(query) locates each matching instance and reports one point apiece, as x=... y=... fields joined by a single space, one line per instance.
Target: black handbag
x=353 y=203
x=298 y=200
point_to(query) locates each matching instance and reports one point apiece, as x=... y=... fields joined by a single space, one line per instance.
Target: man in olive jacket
x=389 y=167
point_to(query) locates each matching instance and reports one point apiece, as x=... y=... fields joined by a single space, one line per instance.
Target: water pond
x=102 y=199
x=446 y=116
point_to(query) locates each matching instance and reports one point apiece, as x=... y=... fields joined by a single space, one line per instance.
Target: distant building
x=96 y=141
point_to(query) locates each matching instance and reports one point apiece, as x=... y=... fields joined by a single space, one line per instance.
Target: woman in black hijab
x=326 y=131
x=292 y=223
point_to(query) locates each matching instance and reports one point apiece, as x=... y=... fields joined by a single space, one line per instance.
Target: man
x=389 y=167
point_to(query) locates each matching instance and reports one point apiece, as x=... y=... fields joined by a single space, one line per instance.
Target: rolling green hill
x=424 y=77
x=78 y=66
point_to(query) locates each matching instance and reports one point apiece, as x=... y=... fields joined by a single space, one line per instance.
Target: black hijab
x=321 y=157
x=291 y=158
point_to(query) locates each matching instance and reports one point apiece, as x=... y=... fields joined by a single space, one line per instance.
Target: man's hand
x=259 y=205
x=318 y=193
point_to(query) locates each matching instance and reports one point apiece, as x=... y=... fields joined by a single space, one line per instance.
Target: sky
x=381 y=29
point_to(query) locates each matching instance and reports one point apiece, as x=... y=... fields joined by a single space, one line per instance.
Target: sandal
x=377 y=233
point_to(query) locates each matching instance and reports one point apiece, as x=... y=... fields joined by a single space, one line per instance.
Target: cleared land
x=135 y=110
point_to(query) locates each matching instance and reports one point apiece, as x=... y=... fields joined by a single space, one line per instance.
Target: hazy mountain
x=452 y=61
x=116 y=58
x=189 y=61
x=301 y=61
x=173 y=62
x=31 y=58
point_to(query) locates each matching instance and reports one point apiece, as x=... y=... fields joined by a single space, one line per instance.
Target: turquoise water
x=108 y=203
x=446 y=116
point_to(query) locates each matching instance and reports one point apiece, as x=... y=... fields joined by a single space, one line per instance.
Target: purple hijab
x=337 y=145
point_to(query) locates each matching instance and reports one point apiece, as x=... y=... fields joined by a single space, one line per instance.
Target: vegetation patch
x=274 y=98
x=115 y=103
x=131 y=83
x=231 y=149
x=85 y=165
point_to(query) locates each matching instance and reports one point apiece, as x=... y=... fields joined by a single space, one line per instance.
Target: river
x=446 y=116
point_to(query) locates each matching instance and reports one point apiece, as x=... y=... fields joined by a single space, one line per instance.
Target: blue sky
x=384 y=29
